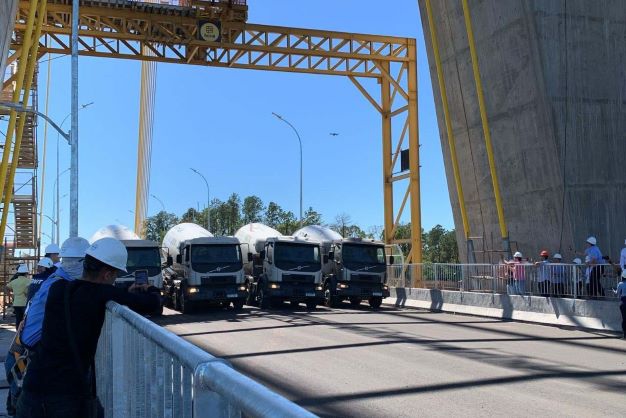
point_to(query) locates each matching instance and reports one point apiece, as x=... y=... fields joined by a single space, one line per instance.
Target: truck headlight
x=274 y=286
x=242 y=288
x=342 y=285
x=385 y=287
x=192 y=290
x=319 y=287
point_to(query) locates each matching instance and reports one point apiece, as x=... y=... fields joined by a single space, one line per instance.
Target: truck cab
x=206 y=270
x=292 y=271
x=142 y=255
x=356 y=269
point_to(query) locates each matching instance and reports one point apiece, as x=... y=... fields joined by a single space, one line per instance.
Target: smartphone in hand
x=141 y=277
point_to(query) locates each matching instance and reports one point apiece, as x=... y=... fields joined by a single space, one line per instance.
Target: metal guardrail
x=550 y=279
x=144 y=370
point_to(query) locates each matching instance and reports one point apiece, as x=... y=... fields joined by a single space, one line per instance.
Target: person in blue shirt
x=594 y=287
x=45 y=268
x=621 y=294
x=72 y=255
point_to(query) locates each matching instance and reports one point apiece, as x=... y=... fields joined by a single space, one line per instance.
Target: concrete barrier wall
x=592 y=314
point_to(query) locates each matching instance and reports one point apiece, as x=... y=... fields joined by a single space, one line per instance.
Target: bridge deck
x=402 y=363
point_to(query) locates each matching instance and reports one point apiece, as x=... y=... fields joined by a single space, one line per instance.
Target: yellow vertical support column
x=19 y=83
x=485 y=122
x=447 y=118
x=30 y=54
x=387 y=158
x=414 y=159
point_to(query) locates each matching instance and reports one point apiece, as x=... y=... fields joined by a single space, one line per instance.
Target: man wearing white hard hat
x=45 y=268
x=19 y=287
x=52 y=252
x=58 y=377
x=518 y=274
x=557 y=275
x=594 y=288
x=72 y=255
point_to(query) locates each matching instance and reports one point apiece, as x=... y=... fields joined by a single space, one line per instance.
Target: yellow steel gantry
x=172 y=34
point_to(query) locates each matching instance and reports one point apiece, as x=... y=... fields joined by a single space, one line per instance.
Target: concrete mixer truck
x=202 y=269
x=143 y=255
x=354 y=268
x=281 y=268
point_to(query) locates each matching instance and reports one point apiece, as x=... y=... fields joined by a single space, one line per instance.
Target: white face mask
x=73 y=267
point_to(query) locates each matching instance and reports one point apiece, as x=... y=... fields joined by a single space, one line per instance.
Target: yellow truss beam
x=127 y=30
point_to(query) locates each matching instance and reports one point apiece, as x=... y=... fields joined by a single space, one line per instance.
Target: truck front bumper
x=212 y=293
x=295 y=291
x=361 y=290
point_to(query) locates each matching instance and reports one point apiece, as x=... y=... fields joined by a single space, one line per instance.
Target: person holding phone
x=61 y=375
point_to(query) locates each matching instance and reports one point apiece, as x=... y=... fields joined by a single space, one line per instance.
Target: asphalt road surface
x=410 y=363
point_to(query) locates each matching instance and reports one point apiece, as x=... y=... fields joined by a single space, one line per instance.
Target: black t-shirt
x=52 y=369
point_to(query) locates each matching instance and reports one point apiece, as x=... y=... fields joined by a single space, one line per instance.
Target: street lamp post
x=299 y=142
x=208 y=202
x=56 y=201
x=159 y=200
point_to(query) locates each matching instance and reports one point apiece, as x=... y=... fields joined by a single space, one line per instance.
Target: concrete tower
x=554 y=78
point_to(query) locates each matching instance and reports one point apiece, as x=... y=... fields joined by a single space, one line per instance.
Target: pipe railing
x=144 y=370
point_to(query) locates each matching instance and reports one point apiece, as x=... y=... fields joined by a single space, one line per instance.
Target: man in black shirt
x=54 y=385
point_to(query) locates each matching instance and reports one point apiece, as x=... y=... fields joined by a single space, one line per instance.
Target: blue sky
x=219 y=121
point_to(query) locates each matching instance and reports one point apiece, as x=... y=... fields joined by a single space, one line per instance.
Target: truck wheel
x=264 y=301
x=238 y=305
x=311 y=305
x=331 y=300
x=186 y=306
x=376 y=302
x=355 y=302
x=159 y=312
x=176 y=300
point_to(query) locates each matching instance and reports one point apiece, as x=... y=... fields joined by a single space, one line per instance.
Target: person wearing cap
x=72 y=254
x=19 y=287
x=543 y=273
x=621 y=295
x=594 y=255
x=557 y=275
x=52 y=252
x=60 y=374
x=45 y=268
x=518 y=273
x=579 y=274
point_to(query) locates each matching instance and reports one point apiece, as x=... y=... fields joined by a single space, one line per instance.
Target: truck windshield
x=215 y=258
x=143 y=258
x=304 y=257
x=363 y=254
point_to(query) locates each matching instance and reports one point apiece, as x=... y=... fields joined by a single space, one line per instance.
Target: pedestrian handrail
x=143 y=370
x=538 y=279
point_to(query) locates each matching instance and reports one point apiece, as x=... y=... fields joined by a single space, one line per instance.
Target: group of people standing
x=50 y=365
x=554 y=277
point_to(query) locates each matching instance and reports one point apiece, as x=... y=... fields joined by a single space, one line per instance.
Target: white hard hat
x=517 y=255
x=577 y=261
x=592 y=240
x=557 y=256
x=52 y=249
x=22 y=268
x=74 y=247
x=45 y=262
x=110 y=251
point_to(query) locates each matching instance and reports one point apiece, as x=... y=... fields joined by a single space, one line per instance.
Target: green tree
x=342 y=223
x=312 y=217
x=288 y=223
x=273 y=215
x=157 y=226
x=439 y=246
x=252 y=209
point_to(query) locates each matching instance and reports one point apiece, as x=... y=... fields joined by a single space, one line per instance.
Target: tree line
x=226 y=217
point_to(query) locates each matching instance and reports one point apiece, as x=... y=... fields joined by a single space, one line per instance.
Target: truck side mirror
x=179 y=258
x=391 y=259
x=325 y=258
x=169 y=261
x=262 y=255
x=331 y=255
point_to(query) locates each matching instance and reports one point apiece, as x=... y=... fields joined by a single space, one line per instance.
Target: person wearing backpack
x=60 y=381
